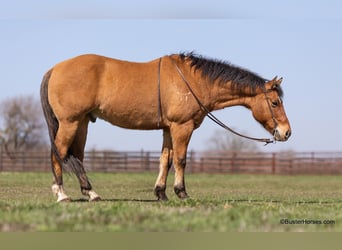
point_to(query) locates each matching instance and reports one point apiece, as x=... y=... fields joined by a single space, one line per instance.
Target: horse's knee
x=180 y=162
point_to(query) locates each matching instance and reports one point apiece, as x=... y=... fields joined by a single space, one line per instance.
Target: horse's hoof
x=160 y=193
x=63 y=199
x=162 y=197
x=93 y=196
x=181 y=193
x=59 y=192
x=98 y=198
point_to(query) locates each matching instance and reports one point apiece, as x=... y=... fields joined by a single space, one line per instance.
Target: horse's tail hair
x=51 y=119
x=70 y=162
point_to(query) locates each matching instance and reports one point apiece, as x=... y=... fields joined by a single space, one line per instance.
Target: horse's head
x=269 y=111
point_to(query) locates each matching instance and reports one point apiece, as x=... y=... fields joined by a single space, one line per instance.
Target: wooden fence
x=197 y=162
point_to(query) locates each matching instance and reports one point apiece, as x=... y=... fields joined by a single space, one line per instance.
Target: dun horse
x=173 y=93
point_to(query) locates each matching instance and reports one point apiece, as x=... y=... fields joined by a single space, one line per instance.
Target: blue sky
x=298 y=40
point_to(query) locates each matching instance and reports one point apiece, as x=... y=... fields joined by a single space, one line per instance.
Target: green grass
x=218 y=203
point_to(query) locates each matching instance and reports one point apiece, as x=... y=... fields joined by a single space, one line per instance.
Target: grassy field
x=219 y=203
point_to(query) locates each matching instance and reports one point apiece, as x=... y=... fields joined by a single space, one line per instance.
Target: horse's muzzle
x=281 y=134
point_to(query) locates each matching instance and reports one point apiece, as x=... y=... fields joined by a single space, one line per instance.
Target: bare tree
x=21 y=124
x=223 y=141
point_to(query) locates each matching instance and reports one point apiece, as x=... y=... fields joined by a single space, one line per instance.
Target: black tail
x=70 y=162
x=50 y=117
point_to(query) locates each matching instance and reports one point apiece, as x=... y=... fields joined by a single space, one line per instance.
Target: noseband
x=275 y=124
x=208 y=113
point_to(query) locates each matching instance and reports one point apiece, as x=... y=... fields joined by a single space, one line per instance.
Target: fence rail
x=197 y=162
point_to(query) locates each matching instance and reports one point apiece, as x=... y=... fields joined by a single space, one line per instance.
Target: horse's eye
x=275 y=104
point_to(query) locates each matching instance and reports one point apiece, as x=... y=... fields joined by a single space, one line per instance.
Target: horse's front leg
x=181 y=134
x=164 y=166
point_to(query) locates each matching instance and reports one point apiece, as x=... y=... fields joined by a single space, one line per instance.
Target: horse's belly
x=130 y=120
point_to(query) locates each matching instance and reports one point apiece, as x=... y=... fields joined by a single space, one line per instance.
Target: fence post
x=273 y=163
x=233 y=162
x=191 y=161
x=201 y=165
x=125 y=161
x=47 y=160
x=147 y=161
x=91 y=159
x=23 y=160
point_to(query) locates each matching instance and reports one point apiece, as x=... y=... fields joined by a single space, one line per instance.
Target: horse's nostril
x=274 y=132
x=288 y=134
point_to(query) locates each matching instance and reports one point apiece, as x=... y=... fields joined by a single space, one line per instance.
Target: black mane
x=222 y=71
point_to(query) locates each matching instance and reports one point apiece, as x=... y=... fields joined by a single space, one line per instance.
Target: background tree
x=22 y=124
x=224 y=141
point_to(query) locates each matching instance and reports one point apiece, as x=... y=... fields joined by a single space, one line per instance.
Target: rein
x=159 y=98
x=208 y=113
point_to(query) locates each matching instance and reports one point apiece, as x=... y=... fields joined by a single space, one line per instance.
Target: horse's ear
x=274 y=83
x=279 y=80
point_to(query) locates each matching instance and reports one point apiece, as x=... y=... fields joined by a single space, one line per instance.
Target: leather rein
x=210 y=115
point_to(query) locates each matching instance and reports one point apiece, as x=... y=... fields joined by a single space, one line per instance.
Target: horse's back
x=115 y=90
x=96 y=69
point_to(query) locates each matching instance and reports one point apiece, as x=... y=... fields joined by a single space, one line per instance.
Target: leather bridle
x=207 y=111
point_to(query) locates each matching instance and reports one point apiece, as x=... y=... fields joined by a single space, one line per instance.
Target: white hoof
x=59 y=192
x=93 y=196
x=63 y=197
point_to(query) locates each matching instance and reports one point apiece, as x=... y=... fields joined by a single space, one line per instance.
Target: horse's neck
x=214 y=95
x=224 y=96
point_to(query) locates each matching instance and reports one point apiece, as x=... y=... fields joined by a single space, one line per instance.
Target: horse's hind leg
x=77 y=151
x=164 y=166
x=57 y=184
x=63 y=139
